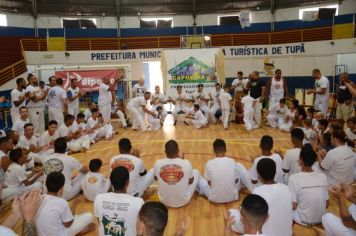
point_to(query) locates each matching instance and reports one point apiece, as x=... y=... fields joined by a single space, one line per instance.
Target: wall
x=16 y=20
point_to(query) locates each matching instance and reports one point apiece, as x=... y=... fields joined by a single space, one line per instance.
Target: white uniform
x=240 y=84
x=53 y=212
x=87 y=114
x=55 y=104
x=15 y=96
x=74 y=145
x=38 y=157
x=133 y=107
x=162 y=98
x=286 y=126
x=276 y=115
x=101 y=132
x=291 y=161
x=19 y=124
x=180 y=106
x=199 y=120
x=247 y=102
x=73 y=106
x=104 y=102
x=173 y=176
x=198 y=98
x=322 y=100
x=226 y=178
x=225 y=99
x=66 y=164
x=276 y=92
x=334 y=226
x=309 y=135
x=156 y=120
x=139 y=90
x=339 y=164
x=47 y=140
x=279 y=173
x=280 y=213
x=93 y=184
x=138 y=182
x=310 y=192
x=35 y=110
x=215 y=104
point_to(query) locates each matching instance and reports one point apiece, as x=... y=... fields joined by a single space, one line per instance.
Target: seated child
x=94 y=182
x=157 y=120
x=198 y=120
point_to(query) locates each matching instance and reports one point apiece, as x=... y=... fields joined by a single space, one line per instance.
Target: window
x=156 y=22
x=3 y=20
x=316 y=9
x=229 y=20
x=79 y=23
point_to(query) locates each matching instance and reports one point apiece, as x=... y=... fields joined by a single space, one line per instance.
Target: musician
x=238 y=86
x=344 y=98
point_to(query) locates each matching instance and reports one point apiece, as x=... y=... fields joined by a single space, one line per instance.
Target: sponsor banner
x=189 y=68
x=88 y=80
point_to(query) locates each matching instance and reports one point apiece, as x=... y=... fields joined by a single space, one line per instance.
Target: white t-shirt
x=223 y=173
x=323 y=82
x=216 y=97
x=178 y=96
x=26 y=143
x=4 y=231
x=225 y=99
x=93 y=184
x=105 y=96
x=240 y=84
x=15 y=175
x=62 y=163
x=339 y=164
x=137 y=102
x=91 y=123
x=173 y=176
x=134 y=165
x=278 y=111
x=46 y=139
x=87 y=114
x=291 y=161
x=19 y=125
x=75 y=126
x=139 y=90
x=198 y=97
x=52 y=213
x=72 y=93
x=310 y=191
x=199 y=116
x=15 y=96
x=280 y=212
x=277 y=88
x=37 y=91
x=248 y=102
x=55 y=96
x=63 y=130
x=2 y=172
x=162 y=98
x=277 y=159
x=117 y=213
x=309 y=135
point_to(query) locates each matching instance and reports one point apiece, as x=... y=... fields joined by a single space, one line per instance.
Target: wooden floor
x=206 y=217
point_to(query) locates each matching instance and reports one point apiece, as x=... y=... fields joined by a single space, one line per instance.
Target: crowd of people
x=37 y=166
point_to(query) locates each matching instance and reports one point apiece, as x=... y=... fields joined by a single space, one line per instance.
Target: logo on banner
x=192 y=70
x=268 y=67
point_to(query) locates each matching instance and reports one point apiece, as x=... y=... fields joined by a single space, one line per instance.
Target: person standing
x=344 y=98
x=73 y=94
x=105 y=99
x=57 y=102
x=215 y=105
x=34 y=105
x=18 y=99
x=276 y=88
x=321 y=92
x=238 y=86
x=139 y=89
x=134 y=108
x=257 y=90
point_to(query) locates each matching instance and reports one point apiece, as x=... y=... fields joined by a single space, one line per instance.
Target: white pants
x=164 y=112
x=121 y=115
x=275 y=121
x=80 y=222
x=74 y=111
x=248 y=118
x=273 y=100
x=15 y=114
x=334 y=226
x=137 y=120
x=10 y=193
x=75 y=188
x=225 y=118
x=144 y=183
x=109 y=130
x=257 y=112
x=204 y=109
x=322 y=105
x=36 y=116
x=198 y=123
x=42 y=156
x=105 y=111
x=155 y=123
x=178 y=109
x=212 y=112
x=286 y=126
x=77 y=144
x=237 y=225
x=56 y=114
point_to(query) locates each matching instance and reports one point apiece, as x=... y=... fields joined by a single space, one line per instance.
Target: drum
x=299 y=95
x=239 y=107
x=332 y=100
x=309 y=99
